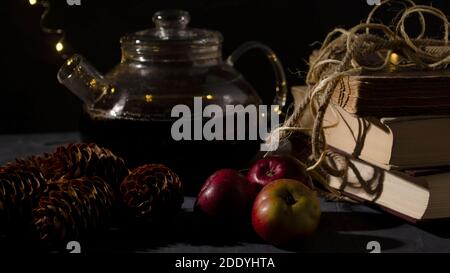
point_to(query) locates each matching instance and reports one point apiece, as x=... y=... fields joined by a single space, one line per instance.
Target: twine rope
x=344 y=53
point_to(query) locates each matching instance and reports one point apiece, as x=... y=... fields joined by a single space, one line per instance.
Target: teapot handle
x=280 y=76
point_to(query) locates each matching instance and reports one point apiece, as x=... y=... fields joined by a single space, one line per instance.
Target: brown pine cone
x=72 y=208
x=20 y=189
x=152 y=191
x=45 y=163
x=85 y=160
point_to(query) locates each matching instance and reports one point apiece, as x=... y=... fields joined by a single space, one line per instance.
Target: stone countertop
x=344 y=227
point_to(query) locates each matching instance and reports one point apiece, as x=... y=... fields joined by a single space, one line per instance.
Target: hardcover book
x=395 y=94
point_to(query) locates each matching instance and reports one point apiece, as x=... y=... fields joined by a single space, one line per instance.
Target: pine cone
x=86 y=160
x=72 y=208
x=45 y=163
x=152 y=191
x=20 y=189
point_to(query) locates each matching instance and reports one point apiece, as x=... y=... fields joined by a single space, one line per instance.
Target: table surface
x=344 y=227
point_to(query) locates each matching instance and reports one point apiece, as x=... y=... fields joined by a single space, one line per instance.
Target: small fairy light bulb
x=59 y=46
x=32 y=2
x=394 y=58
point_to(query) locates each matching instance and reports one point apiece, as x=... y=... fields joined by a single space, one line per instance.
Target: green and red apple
x=285 y=210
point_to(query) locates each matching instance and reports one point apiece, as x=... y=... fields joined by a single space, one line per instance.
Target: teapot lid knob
x=175 y=19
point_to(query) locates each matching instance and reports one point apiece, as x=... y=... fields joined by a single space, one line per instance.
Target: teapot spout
x=83 y=80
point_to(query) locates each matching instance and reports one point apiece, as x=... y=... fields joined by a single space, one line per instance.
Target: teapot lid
x=171 y=28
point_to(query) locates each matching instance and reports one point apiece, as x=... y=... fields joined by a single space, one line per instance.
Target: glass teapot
x=129 y=108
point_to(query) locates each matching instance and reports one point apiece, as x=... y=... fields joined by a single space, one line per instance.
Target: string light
x=394 y=58
x=148 y=98
x=59 y=46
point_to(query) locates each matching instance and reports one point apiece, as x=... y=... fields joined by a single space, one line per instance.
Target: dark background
x=33 y=101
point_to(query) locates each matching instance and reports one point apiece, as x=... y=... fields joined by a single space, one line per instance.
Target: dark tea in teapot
x=150 y=141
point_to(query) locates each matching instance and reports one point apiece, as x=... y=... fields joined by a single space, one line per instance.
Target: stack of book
x=395 y=133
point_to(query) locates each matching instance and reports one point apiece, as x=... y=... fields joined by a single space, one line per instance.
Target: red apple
x=285 y=210
x=276 y=167
x=225 y=195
